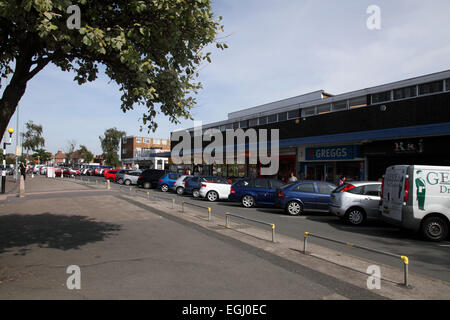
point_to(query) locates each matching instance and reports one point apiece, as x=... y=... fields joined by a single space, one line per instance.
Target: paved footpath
x=132 y=248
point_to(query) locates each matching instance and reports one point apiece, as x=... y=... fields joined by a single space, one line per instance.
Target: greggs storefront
x=329 y=163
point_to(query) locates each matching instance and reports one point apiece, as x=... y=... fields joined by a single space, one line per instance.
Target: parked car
x=43 y=170
x=417 y=197
x=69 y=172
x=356 y=201
x=167 y=181
x=218 y=188
x=58 y=172
x=37 y=168
x=297 y=197
x=149 y=178
x=255 y=191
x=192 y=185
x=110 y=175
x=179 y=184
x=120 y=173
x=131 y=177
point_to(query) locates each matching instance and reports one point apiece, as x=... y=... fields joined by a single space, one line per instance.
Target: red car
x=111 y=175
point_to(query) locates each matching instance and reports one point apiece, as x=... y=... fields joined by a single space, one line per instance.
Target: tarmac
x=132 y=245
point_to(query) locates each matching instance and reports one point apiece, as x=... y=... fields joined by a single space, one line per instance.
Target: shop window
x=273 y=118
x=262 y=120
x=340 y=105
x=243 y=124
x=252 y=122
x=229 y=126
x=282 y=116
x=381 y=97
x=431 y=87
x=294 y=114
x=236 y=125
x=447 y=84
x=357 y=102
x=404 y=93
x=307 y=112
x=324 y=108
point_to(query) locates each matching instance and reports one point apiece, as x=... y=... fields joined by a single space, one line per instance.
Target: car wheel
x=147 y=185
x=355 y=216
x=248 y=201
x=195 y=193
x=434 y=229
x=180 y=190
x=164 y=188
x=294 y=208
x=212 y=196
x=128 y=182
x=120 y=181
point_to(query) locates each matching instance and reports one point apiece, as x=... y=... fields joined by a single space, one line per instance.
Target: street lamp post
x=11 y=131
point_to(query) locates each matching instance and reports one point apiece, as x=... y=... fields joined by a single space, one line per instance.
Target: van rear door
x=395 y=180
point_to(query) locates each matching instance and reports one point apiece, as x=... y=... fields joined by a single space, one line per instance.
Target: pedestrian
x=342 y=181
x=293 y=178
x=23 y=170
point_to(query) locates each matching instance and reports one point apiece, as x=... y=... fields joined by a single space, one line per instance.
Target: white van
x=417 y=198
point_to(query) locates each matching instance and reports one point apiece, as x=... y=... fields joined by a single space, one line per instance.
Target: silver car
x=131 y=177
x=356 y=201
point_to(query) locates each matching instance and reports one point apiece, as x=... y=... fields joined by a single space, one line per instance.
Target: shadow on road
x=51 y=231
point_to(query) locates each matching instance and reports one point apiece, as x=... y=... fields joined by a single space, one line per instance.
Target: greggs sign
x=332 y=153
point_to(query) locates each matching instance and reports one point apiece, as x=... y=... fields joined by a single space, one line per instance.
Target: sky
x=277 y=49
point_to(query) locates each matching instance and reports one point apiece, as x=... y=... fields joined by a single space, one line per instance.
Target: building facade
x=355 y=134
x=144 y=151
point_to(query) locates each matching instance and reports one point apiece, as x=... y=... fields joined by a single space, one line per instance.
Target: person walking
x=23 y=170
x=342 y=181
x=293 y=178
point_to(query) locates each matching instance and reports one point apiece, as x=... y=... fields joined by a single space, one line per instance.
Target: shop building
x=356 y=134
x=144 y=152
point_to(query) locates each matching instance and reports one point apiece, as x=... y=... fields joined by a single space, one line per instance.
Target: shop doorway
x=287 y=166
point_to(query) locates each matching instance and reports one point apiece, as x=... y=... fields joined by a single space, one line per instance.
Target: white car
x=43 y=170
x=131 y=177
x=213 y=191
x=179 y=184
x=37 y=168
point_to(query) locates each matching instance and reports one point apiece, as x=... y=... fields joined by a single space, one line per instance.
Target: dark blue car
x=167 y=181
x=255 y=191
x=297 y=197
x=192 y=185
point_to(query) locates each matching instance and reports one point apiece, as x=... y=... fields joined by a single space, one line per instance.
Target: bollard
x=21 y=187
x=209 y=214
x=226 y=220
x=148 y=195
x=173 y=203
x=304 y=242
x=182 y=206
x=273 y=233
x=130 y=190
x=95 y=181
x=108 y=184
x=405 y=264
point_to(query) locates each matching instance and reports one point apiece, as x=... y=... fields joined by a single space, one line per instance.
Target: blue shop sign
x=332 y=153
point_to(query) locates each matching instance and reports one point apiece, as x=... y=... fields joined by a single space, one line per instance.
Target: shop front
x=329 y=163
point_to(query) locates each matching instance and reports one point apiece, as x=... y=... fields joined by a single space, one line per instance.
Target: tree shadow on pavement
x=51 y=231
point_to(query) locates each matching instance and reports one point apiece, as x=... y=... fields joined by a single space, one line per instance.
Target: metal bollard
x=305 y=241
x=148 y=195
x=405 y=264
x=108 y=184
x=209 y=214
x=173 y=203
x=226 y=220
x=130 y=190
x=273 y=233
x=182 y=206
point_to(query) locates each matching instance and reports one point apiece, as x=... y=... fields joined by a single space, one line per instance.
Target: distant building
x=99 y=159
x=60 y=158
x=143 y=151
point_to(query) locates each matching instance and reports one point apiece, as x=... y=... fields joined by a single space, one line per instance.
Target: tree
x=85 y=154
x=110 y=145
x=151 y=49
x=42 y=155
x=32 y=137
x=69 y=150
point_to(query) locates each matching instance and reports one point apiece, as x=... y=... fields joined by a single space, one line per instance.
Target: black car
x=149 y=178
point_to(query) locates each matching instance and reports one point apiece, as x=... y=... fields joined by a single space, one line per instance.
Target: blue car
x=167 y=181
x=255 y=191
x=192 y=185
x=297 y=197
